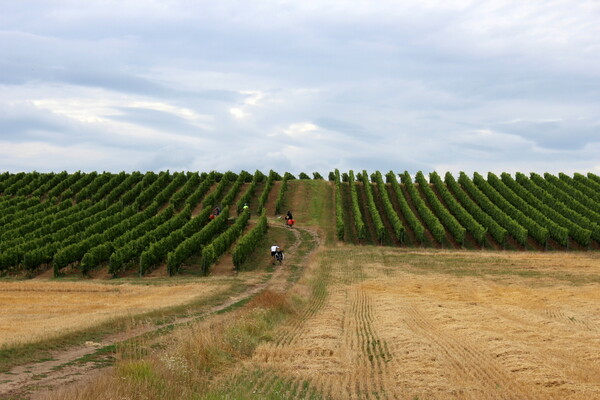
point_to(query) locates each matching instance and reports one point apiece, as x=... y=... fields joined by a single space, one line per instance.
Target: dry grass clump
x=269 y=299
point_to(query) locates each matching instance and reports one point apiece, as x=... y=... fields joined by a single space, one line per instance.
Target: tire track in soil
x=302 y=338
x=372 y=351
x=340 y=330
x=474 y=369
x=25 y=380
x=558 y=315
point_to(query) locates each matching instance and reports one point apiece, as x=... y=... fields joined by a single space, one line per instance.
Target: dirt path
x=28 y=381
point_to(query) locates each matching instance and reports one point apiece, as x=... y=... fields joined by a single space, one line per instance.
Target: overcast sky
x=300 y=85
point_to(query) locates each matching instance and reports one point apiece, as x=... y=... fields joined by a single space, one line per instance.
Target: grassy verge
x=313 y=204
x=194 y=356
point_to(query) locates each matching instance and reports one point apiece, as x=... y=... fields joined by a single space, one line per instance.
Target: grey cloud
x=344 y=127
x=559 y=135
x=26 y=124
x=130 y=83
x=160 y=120
x=173 y=158
x=21 y=127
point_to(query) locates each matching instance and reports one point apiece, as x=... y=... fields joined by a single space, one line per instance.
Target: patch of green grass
x=140 y=372
x=318 y=205
x=260 y=260
x=102 y=356
x=262 y=384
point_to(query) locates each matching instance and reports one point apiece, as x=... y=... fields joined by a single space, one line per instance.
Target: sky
x=300 y=86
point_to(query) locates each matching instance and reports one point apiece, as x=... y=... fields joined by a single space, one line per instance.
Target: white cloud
x=304 y=130
x=238 y=113
x=253 y=97
x=94 y=108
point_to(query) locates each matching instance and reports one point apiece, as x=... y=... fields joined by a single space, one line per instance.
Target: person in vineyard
x=289 y=219
x=274 y=250
x=279 y=256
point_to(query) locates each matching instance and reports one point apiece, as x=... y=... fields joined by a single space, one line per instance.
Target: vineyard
x=138 y=222
x=385 y=292
x=128 y=222
x=500 y=212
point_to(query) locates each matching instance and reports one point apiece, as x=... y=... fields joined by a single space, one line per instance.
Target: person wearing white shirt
x=274 y=249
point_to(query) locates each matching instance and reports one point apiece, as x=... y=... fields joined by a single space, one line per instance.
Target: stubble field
x=394 y=324
x=34 y=311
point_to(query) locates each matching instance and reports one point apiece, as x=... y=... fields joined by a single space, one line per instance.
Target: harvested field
x=37 y=310
x=392 y=324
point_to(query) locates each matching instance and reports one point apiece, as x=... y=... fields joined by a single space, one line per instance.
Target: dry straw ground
x=39 y=310
x=393 y=324
x=384 y=323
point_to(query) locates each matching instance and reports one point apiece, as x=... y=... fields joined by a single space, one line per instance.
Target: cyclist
x=279 y=256
x=289 y=219
x=274 y=250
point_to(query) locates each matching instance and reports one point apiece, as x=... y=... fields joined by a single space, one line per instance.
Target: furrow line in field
x=381 y=356
x=294 y=329
x=362 y=372
x=369 y=360
x=373 y=372
x=471 y=364
x=560 y=316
